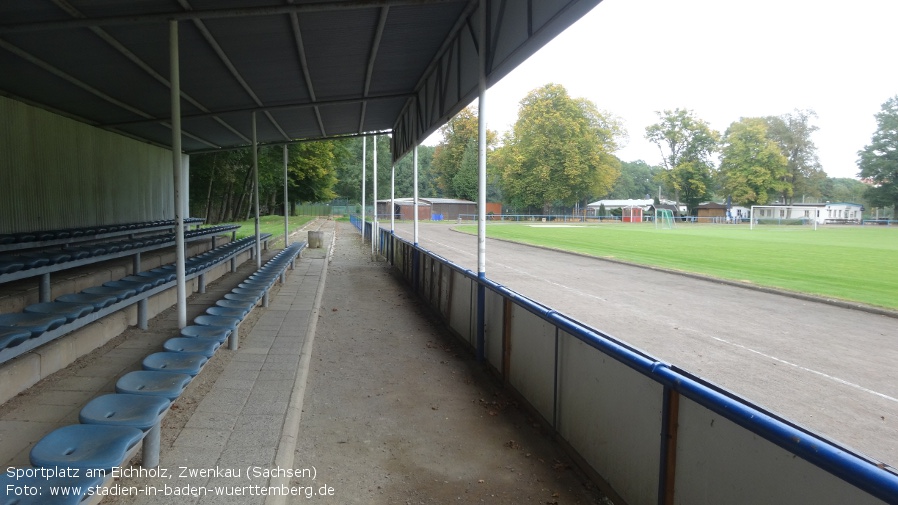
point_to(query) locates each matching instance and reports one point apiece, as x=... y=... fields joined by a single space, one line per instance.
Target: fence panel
x=718 y=461
x=494 y=328
x=460 y=304
x=531 y=363
x=612 y=414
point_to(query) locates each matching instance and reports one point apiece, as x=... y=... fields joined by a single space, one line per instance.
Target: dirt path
x=395 y=412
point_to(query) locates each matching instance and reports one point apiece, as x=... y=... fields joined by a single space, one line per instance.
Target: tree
x=636 y=180
x=686 y=144
x=792 y=132
x=559 y=150
x=878 y=161
x=458 y=135
x=752 y=167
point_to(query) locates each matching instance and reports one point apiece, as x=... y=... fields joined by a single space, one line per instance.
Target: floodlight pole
x=364 y=155
x=175 y=79
x=481 y=184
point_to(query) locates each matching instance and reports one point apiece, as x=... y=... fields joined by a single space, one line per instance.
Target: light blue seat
x=85 y=446
x=177 y=362
x=236 y=304
x=99 y=301
x=43 y=485
x=240 y=312
x=222 y=321
x=202 y=346
x=35 y=323
x=243 y=297
x=153 y=383
x=115 y=409
x=120 y=293
x=69 y=310
x=10 y=337
x=138 y=286
x=217 y=333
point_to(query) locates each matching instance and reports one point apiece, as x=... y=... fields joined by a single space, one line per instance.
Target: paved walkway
x=386 y=408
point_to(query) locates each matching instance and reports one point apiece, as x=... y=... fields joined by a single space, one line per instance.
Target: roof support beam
x=304 y=65
x=162 y=17
x=43 y=65
x=109 y=39
x=375 y=47
x=282 y=107
x=231 y=68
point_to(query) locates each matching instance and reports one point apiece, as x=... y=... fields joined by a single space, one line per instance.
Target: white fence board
x=532 y=359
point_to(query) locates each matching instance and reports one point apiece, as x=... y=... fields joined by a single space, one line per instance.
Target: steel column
x=286 y=205
x=175 y=79
x=258 y=246
x=415 y=182
x=364 y=155
x=374 y=198
x=481 y=182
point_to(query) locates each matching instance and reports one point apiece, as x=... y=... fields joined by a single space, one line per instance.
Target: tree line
x=559 y=154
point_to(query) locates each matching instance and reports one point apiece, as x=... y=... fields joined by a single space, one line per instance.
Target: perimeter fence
x=647 y=431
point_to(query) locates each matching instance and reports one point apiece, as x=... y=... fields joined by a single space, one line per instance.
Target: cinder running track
x=828 y=368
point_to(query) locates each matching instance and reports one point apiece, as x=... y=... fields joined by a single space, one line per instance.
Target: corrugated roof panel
x=341 y=42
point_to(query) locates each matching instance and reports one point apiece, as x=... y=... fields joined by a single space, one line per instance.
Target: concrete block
x=18 y=375
x=56 y=355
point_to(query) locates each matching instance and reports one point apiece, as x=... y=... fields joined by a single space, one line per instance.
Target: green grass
x=845 y=262
x=273 y=225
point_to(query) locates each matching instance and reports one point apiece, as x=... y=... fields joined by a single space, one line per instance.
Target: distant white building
x=824 y=213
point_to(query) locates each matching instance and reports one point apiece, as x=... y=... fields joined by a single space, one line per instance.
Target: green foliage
x=792 y=133
x=459 y=135
x=687 y=144
x=637 y=179
x=878 y=161
x=845 y=262
x=752 y=166
x=559 y=150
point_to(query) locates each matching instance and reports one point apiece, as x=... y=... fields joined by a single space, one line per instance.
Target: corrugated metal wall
x=58 y=173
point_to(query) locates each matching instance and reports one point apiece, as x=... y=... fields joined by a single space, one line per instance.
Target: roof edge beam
x=164 y=17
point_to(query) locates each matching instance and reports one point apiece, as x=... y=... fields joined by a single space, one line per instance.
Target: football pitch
x=853 y=263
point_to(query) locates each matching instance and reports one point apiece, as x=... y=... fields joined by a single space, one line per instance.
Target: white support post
x=415 y=183
x=480 y=349
x=286 y=204
x=374 y=198
x=393 y=199
x=175 y=80
x=258 y=245
x=364 y=155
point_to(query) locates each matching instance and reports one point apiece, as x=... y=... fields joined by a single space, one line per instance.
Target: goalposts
x=783 y=215
x=664 y=219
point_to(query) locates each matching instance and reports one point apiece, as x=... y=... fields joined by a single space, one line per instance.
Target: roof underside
x=307 y=69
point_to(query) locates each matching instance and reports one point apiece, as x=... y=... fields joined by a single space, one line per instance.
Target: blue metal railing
x=869 y=476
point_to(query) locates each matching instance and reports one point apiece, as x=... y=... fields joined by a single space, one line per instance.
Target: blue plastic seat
x=34 y=261
x=177 y=362
x=10 y=337
x=240 y=312
x=97 y=300
x=35 y=323
x=205 y=347
x=115 y=409
x=217 y=333
x=69 y=310
x=42 y=486
x=85 y=446
x=152 y=280
x=138 y=286
x=8 y=266
x=220 y=321
x=119 y=293
x=242 y=297
x=153 y=383
x=78 y=253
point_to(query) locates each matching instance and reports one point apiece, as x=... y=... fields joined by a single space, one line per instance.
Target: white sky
x=724 y=59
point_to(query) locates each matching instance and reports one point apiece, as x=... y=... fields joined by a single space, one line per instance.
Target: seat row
x=41 y=322
x=34 y=239
x=112 y=425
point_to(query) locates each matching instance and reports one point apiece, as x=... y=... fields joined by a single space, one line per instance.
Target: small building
x=631 y=210
x=451 y=208
x=710 y=212
x=824 y=213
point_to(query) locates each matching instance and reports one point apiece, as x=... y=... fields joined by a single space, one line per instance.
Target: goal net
x=784 y=215
x=664 y=219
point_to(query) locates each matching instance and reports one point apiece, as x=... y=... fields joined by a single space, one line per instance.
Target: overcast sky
x=724 y=60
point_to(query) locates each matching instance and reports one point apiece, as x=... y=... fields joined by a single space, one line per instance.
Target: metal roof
x=307 y=68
